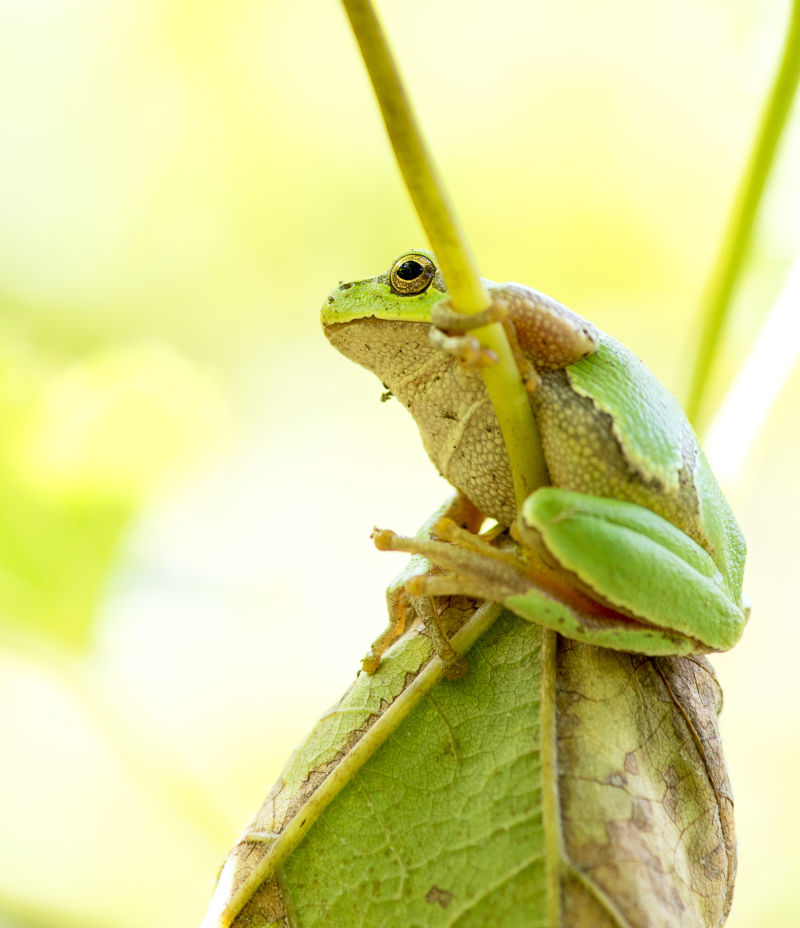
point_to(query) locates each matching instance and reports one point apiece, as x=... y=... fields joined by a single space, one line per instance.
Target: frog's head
x=404 y=293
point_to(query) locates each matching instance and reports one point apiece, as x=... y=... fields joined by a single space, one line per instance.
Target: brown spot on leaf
x=660 y=845
x=641 y=815
x=631 y=764
x=439 y=896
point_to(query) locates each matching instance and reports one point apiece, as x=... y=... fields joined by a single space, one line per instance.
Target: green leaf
x=556 y=781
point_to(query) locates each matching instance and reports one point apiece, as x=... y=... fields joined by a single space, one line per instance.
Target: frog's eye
x=412 y=274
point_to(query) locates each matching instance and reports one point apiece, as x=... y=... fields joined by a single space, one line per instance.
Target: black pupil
x=409 y=270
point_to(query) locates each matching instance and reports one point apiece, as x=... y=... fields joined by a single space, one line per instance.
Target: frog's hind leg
x=473 y=566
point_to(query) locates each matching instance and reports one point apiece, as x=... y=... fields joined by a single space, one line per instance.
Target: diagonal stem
x=740 y=225
x=436 y=213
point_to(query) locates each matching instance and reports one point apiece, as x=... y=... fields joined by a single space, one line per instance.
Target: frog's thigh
x=636 y=560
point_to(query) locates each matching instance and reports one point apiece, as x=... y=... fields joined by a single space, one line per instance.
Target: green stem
x=439 y=221
x=740 y=226
x=424 y=184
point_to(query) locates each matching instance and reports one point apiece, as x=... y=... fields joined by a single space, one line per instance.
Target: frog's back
x=645 y=453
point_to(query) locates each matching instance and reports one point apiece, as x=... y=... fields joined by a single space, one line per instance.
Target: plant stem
x=424 y=184
x=729 y=263
x=436 y=213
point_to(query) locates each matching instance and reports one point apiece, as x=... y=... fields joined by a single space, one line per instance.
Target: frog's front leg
x=599 y=570
x=404 y=607
x=451 y=333
x=543 y=334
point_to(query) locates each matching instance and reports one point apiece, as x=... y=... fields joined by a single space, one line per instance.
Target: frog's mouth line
x=413 y=311
x=368 y=328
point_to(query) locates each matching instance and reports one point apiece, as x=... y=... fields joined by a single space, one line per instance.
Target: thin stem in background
x=436 y=213
x=740 y=226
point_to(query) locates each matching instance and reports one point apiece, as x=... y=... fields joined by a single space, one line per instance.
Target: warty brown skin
x=455 y=417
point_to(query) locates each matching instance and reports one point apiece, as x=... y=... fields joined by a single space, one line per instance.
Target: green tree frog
x=631 y=545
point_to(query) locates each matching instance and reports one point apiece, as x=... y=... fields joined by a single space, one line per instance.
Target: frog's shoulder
x=550 y=334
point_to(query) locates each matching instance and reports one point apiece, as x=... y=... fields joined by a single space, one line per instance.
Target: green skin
x=633 y=518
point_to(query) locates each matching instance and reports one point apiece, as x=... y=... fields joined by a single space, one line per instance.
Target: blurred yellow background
x=190 y=473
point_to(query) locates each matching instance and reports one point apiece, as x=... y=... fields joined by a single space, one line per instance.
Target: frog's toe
x=466 y=349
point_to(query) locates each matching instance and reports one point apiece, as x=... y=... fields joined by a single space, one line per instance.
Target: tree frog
x=629 y=544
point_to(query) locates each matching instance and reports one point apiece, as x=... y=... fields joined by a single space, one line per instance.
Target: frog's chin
x=384 y=346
